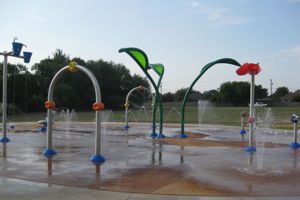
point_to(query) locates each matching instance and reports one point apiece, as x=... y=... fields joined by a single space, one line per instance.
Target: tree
x=168 y=97
x=179 y=95
x=211 y=95
x=280 y=92
x=238 y=93
x=296 y=98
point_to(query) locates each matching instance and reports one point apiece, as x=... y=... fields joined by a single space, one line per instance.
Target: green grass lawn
x=207 y=115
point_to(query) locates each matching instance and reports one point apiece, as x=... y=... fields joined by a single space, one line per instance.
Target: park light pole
x=16 y=51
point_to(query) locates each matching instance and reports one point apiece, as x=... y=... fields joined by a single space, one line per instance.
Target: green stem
x=155 y=107
x=203 y=70
x=158 y=97
x=185 y=100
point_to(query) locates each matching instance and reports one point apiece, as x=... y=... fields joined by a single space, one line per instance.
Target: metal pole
x=4 y=97
x=98 y=133
x=126 y=117
x=50 y=151
x=242 y=128
x=126 y=107
x=242 y=123
x=271 y=87
x=295 y=144
x=252 y=116
x=295 y=132
x=49 y=129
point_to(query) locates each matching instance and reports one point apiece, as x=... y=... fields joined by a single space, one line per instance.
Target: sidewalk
x=14 y=189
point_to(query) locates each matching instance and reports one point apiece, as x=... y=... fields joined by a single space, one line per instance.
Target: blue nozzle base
x=295 y=145
x=12 y=126
x=49 y=152
x=161 y=136
x=181 y=135
x=126 y=127
x=43 y=129
x=153 y=134
x=4 y=140
x=250 y=149
x=242 y=132
x=97 y=159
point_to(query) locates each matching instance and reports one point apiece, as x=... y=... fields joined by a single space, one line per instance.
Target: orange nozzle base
x=98 y=106
x=50 y=104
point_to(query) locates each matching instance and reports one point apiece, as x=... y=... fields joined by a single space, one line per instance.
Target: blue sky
x=184 y=35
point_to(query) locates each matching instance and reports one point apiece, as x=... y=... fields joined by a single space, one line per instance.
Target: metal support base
x=181 y=135
x=4 y=140
x=250 y=149
x=12 y=126
x=153 y=134
x=295 y=145
x=161 y=136
x=43 y=129
x=97 y=159
x=49 y=152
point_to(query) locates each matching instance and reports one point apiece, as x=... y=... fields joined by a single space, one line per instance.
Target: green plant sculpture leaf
x=138 y=56
x=158 y=68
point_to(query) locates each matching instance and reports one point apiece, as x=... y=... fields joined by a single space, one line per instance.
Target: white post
x=242 y=131
x=4 y=96
x=252 y=112
x=127 y=105
x=295 y=132
x=295 y=144
x=126 y=116
x=242 y=123
x=98 y=133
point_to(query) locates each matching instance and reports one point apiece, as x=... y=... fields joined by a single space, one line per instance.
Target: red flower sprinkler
x=252 y=69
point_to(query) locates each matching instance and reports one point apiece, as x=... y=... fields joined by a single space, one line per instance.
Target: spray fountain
x=97 y=106
x=252 y=69
x=16 y=53
x=126 y=105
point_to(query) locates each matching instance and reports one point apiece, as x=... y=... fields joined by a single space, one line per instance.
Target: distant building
x=289 y=97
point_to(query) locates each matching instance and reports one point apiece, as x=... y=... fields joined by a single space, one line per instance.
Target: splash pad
x=210 y=161
x=201 y=161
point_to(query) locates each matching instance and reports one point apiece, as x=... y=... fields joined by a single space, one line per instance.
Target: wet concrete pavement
x=136 y=163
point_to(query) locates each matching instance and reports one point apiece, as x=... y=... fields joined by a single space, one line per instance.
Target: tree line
x=28 y=89
x=231 y=93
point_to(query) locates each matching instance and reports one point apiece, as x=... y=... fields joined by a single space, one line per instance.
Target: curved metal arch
x=186 y=96
x=127 y=100
x=53 y=83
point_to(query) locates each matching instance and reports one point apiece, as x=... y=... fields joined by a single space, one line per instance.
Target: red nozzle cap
x=248 y=68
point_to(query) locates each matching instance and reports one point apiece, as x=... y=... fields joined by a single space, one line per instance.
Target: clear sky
x=184 y=35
